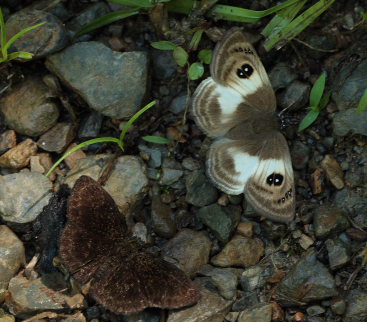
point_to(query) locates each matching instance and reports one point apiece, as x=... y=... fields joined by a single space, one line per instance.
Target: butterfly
x=237 y=107
x=98 y=249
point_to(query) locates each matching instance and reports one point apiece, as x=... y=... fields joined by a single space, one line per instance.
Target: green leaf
x=310 y=117
x=317 y=90
x=195 y=40
x=134 y=3
x=156 y=139
x=181 y=56
x=3 y=36
x=196 y=70
x=282 y=19
x=20 y=54
x=325 y=99
x=298 y=24
x=164 y=45
x=205 y=55
x=362 y=105
x=106 y=20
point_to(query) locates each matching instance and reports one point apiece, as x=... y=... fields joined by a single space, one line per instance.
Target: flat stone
x=93 y=70
x=19 y=156
x=42 y=41
x=281 y=76
x=329 y=220
x=23 y=196
x=225 y=281
x=349 y=121
x=8 y=140
x=300 y=155
x=240 y=251
x=12 y=257
x=333 y=171
x=188 y=250
x=259 y=312
x=199 y=191
x=210 y=308
x=356 y=306
x=338 y=253
x=57 y=138
x=295 y=95
x=27 y=108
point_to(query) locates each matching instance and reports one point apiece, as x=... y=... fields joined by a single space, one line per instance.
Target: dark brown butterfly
x=124 y=277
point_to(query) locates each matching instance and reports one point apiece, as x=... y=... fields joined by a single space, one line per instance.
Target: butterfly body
x=237 y=107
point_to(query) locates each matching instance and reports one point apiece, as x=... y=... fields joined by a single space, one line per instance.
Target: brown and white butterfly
x=236 y=106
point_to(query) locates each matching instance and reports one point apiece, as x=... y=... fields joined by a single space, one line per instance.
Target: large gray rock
x=349 y=121
x=112 y=83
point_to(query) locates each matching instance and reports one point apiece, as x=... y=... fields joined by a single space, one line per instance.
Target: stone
x=225 y=281
x=90 y=125
x=199 y=191
x=300 y=154
x=356 y=306
x=8 y=140
x=171 y=172
x=222 y=221
x=295 y=95
x=188 y=249
x=333 y=171
x=164 y=66
x=57 y=138
x=27 y=108
x=210 y=308
x=349 y=121
x=239 y=251
x=23 y=196
x=19 y=156
x=74 y=158
x=92 y=70
x=12 y=257
x=338 y=253
x=259 y=312
x=178 y=104
x=281 y=76
x=329 y=220
x=42 y=41
x=319 y=285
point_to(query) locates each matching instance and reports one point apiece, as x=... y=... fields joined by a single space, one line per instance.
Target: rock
x=210 y=308
x=259 y=312
x=8 y=140
x=171 y=172
x=161 y=215
x=26 y=108
x=19 y=156
x=88 y=15
x=189 y=249
x=315 y=310
x=164 y=66
x=295 y=95
x=240 y=251
x=350 y=82
x=349 y=121
x=74 y=158
x=30 y=296
x=146 y=315
x=338 y=306
x=320 y=41
x=225 y=281
x=178 y=104
x=127 y=183
x=317 y=178
x=42 y=41
x=57 y=138
x=199 y=191
x=154 y=155
x=12 y=257
x=305 y=241
x=281 y=76
x=93 y=70
x=252 y=278
x=308 y=281
x=300 y=155
x=329 y=220
x=191 y=164
x=245 y=229
x=41 y=163
x=90 y=125
x=356 y=306
x=222 y=221
x=23 y=196
x=338 y=253
x=140 y=231
x=333 y=171
x=351 y=201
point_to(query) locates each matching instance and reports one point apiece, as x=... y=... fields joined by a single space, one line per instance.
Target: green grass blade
x=79 y=146
x=156 y=139
x=3 y=36
x=134 y=3
x=163 y=45
x=20 y=54
x=310 y=117
x=282 y=19
x=299 y=23
x=195 y=40
x=133 y=118
x=317 y=90
x=106 y=20
x=182 y=6
x=362 y=105
x=20 y=34
x=325 y=99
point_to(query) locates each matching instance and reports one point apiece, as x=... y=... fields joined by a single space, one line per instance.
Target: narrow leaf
x=134 y=3
x=20 y=54
x=163 y=45
x=181 y=56
x=325 y=99
x=310 y=117
x=317 y=90
x=3 y=35
x=205 y=55
x=106 y=20
x=362 y=105
x=196 y=70
x=156 y=139
x=195 y=40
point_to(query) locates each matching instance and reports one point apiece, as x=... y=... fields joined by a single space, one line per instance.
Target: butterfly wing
x=94 y=223
x=238 y=88
x=141 y=280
